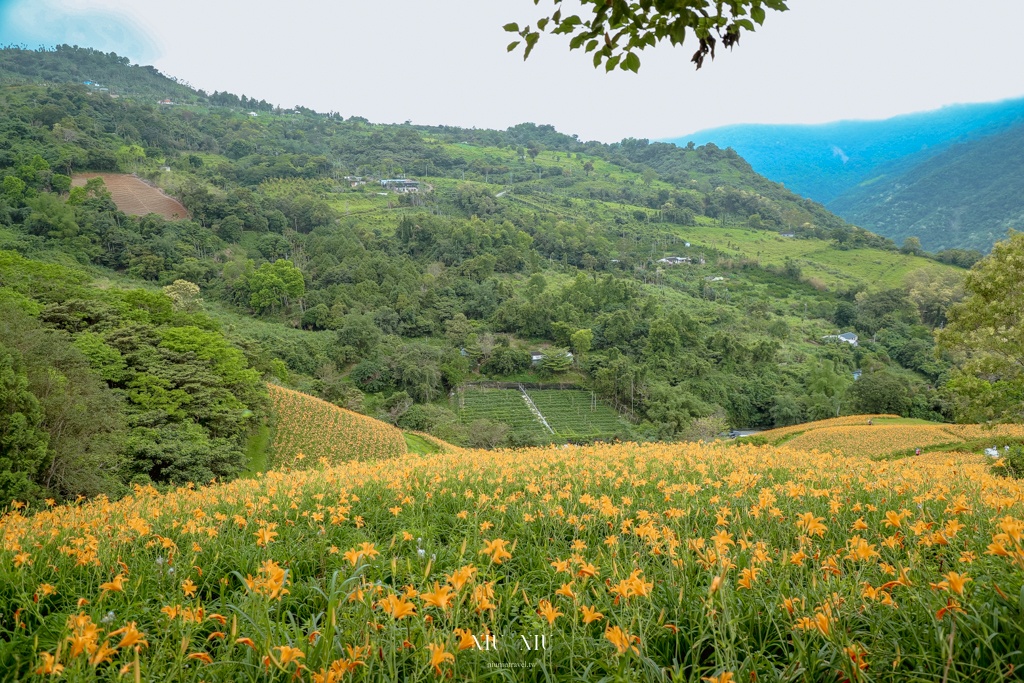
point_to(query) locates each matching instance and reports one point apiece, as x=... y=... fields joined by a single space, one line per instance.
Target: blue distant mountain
x=862 y=169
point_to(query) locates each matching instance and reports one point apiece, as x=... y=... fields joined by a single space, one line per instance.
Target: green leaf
x=591 y=46
x=531 y=40
x=576 y=41
x=541 y=23
x=757 y=14
x=631 y=63
x=511 y=28
x=513 y=45
x=612 y=63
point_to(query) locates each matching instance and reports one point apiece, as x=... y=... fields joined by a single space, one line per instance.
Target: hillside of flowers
x=614 y=562
x=879 y=436
x=310 y=432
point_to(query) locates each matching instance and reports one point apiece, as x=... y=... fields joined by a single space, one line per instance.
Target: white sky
x=444 y=61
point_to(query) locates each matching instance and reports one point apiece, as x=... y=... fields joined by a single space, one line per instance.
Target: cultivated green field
x=500 y=405
x=573 y=415
x=569 y=412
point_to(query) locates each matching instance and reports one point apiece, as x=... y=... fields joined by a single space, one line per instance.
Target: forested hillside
x=387 y=268
x=948 y=177
x=968 y=195
x=102 y=387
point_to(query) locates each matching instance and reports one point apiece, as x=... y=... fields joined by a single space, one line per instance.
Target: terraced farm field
x=500 y=405
x=572 y=414
x=135 y=197
x=568 y=412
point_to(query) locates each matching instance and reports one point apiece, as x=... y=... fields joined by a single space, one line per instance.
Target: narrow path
x=534 y=409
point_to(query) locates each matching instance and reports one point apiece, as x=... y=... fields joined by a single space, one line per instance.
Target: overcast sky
x=444 y=61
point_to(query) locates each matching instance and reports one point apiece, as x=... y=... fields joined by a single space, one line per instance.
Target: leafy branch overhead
x=616 y=30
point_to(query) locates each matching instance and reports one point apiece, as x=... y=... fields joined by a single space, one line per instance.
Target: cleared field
x=135 y=197
x=573 y=415
x=816 y=258
x=311 y=433
x=500 y=405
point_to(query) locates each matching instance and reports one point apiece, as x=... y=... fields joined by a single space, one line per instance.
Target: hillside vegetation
x=382 y=268
x=311 y=432
x=338 y=282
x=662 y=562
x=102 y=387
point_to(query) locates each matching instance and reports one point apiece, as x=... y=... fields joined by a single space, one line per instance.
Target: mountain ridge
x=836 y=163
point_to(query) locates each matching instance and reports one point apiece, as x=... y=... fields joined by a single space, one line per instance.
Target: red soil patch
x=135 y=197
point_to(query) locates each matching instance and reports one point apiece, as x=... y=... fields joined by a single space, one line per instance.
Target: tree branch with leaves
x=614 y=31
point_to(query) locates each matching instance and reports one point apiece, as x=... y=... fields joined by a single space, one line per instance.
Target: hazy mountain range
x=951 y=176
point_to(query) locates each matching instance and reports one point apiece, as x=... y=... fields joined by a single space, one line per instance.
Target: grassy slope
x=838 y=269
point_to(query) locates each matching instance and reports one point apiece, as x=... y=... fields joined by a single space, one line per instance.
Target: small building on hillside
x=680 y=260
x=847 y=337
x=400 y=185
x=537 y=356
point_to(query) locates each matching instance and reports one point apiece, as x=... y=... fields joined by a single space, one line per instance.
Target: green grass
x=417 y=444
x=256 y=450
x=816 y=258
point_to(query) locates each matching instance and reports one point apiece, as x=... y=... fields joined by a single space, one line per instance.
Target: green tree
x=555 y=362
x=23 y=440
x=184 y=296
x=273 y=285
x=581 y=342
x=505 y=360
x=985 y=336
x=826 y=387
x=912 y=247
x=881 y=392
x=129 y=157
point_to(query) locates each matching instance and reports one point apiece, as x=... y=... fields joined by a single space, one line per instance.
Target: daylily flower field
x=311 y=431
x=682 y=562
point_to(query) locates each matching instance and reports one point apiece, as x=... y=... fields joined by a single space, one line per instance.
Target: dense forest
x=523 y=255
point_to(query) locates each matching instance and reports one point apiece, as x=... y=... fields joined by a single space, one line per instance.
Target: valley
x=393 y=402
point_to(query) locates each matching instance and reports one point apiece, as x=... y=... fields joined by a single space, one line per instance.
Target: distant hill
x=965 y=196
x=825 y=161
x=101 y=71
x=947 y=176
